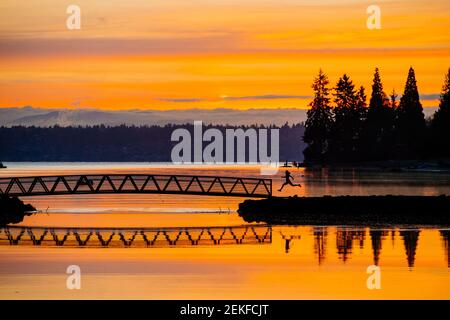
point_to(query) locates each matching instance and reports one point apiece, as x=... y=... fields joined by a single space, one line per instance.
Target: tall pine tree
x=347 y=120
x=378 y=128
x=393 y=100
x=319 y=122
x=361 y=110
x=440 y=125
x=410 y=121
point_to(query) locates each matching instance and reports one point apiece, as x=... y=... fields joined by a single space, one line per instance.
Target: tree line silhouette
x=116 y=143
x=342 y=128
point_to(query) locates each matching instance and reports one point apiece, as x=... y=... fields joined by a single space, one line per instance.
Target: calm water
x=187 y=247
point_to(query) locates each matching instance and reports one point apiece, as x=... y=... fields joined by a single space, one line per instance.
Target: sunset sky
x=170 y=54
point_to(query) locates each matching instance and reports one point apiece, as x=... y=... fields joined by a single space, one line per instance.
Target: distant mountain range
x=41 y=117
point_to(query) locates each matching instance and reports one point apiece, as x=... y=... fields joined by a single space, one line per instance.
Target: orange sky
x=163 y=54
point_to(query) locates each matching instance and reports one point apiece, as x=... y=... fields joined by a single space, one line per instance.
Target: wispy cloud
x=266 y=97
x=115 y=46
x=182 y=100
x=430 y=96
x=236 y=98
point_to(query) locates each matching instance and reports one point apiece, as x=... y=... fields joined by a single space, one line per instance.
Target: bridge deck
x=136 y=183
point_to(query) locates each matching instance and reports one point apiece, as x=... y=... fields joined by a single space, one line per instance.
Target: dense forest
x=116 y=143
x=342 y=128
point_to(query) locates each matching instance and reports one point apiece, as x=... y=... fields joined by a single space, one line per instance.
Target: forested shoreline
x=341 y=128
x=117 y=143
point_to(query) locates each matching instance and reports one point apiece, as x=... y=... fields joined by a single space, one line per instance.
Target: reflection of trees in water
x=377 y=237
x=393 y=238
x=344 y=241
x=445 y=234
x=320 y=243
x=132 y=237
x=288 y=240
x=360 y=236
x=410 y=240
x=345 y=238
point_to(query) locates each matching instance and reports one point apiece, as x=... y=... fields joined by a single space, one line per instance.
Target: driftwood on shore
x=13 y=210
x=387 y=209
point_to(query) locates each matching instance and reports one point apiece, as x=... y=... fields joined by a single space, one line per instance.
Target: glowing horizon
x=213 y=54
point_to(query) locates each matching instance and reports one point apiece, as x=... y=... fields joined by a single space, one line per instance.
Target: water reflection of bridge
x=347 y=238
x=166 y=237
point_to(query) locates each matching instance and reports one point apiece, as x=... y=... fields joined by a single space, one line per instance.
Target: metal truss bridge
x=136 y=183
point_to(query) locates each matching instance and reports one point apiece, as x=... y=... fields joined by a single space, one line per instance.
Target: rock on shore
x=13 y=210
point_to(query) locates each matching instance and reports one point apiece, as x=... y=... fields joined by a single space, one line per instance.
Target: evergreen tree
x=378 y=99
x=362 y=101
x=347 y=120
x=319 y=121
x=440 y=125
x=410 y=121
x=393 y=100
x=378 y=128
x=362 y=114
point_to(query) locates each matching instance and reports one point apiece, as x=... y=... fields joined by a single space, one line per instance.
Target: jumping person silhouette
x=288 y=181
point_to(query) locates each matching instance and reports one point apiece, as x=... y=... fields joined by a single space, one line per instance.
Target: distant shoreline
x=431 y=165
x=441 y=165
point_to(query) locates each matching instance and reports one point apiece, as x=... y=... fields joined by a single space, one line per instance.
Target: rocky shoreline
x=340 y=210
x=13 y=210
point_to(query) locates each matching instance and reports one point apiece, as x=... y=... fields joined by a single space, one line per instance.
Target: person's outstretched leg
x=284 y=184
x=295 y=184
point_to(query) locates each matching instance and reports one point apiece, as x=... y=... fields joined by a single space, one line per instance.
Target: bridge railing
x=136 y=183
